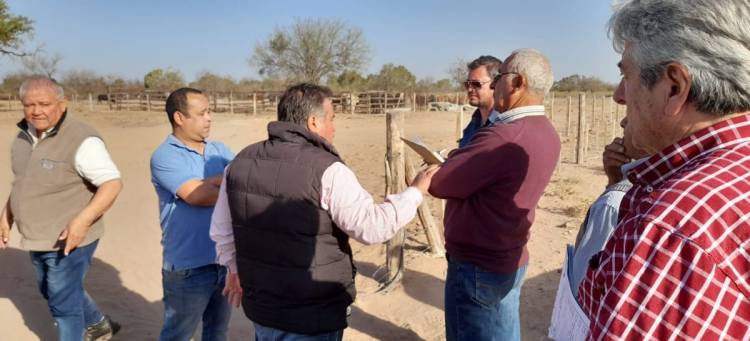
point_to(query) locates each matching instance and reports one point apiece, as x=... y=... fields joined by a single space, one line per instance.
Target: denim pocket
x=490 y=288
x=175 y=275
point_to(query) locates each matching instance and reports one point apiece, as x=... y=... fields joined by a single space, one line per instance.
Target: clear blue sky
x=130 y=38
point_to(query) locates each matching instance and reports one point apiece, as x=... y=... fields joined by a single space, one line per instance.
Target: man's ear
x=313 y=123
x=519 y=82
x=676 y=88
x=179 y=119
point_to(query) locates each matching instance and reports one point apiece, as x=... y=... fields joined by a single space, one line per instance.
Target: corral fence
x=586 y=121
x=369 y=102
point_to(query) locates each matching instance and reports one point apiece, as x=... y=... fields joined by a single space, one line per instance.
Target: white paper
x=569 y=322
x=430 y=157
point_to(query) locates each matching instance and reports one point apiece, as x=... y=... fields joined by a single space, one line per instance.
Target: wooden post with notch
x=431 y=230
x=394 y=248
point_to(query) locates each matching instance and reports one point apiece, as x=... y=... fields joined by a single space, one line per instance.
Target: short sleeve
x=169 y=172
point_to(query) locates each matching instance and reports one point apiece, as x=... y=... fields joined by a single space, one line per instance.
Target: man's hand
x=612 y=159
x=423 y=179
x=232 y=289
x=6 y=223
x=74 y=234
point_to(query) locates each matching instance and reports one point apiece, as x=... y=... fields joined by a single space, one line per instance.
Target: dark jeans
x=191 y=295
x=263 y=333
x=60 y=280
x=481 y=305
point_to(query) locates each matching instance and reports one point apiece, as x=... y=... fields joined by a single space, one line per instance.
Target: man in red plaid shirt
x=678 y=264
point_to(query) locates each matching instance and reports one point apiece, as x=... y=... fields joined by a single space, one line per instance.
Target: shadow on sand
x=18 y=284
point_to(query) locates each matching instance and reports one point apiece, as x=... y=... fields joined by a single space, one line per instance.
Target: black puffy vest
x=294 y=263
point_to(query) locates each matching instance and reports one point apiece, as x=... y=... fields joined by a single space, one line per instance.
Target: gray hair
x=42 y=81
x=711 y=38
x=302 y=100
x=534 y=66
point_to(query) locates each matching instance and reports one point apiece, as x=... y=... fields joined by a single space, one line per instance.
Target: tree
x=458 y=72
x=311 y=50
x=428 y=84
x=39 y=63
x=84 y=82
x=349 y=80
x=393 y=78
x=582 y=83
x=213 y=83
x=12 y=29
x=118 y=84
x=163 y=80
x=12 y=82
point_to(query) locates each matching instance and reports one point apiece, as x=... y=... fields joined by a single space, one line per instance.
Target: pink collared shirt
x=351 y=207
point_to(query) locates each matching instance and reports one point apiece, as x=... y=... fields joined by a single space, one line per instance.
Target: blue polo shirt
x=185 y=227
x=474 y=125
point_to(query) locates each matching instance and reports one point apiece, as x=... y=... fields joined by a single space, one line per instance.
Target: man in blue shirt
x=481 y=72
x=186 y=170
x=618 y=158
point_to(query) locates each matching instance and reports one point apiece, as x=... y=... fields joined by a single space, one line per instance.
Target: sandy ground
x=125 y=277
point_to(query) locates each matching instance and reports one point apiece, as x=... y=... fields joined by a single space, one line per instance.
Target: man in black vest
x=289 y=204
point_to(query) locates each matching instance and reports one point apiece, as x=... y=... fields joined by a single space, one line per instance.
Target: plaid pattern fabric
x=677 y=266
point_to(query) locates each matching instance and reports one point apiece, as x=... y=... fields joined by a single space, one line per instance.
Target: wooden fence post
x=568 y=116
x=231 y=103
x=612 y=120
x=552 y=109
x=425 y=215
x=460 y=124
x=255 y=105
x=394 y=248
x=414 y=101
x=91 y=102
x=581 y=128
x=148 y=103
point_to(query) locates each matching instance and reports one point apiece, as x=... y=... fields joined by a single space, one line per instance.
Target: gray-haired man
x=64 y=181
x=677 y=264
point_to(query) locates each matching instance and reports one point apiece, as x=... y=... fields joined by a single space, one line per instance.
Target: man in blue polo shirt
x=186 y=170
x=481 y=72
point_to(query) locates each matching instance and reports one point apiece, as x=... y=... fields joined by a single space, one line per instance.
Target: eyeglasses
x=475 y=84
x=500 y=75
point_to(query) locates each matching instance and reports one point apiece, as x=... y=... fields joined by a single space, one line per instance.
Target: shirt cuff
x=232 y=265
x=412 y=194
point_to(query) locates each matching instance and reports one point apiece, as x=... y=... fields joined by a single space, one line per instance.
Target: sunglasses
x=475 y=84
x=500 y=75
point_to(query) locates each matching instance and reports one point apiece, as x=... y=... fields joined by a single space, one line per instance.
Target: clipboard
x=429 y=156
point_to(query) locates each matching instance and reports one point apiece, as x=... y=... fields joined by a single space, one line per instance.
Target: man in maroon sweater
x=492 y=187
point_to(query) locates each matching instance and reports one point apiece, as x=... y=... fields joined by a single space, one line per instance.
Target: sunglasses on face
x=500 y=75
x=474 y=84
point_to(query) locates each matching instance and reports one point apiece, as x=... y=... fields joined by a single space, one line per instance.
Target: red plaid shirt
x=677 y=264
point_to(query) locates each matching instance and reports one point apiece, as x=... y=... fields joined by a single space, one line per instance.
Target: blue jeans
x=193 y=295
x=60 y=280
x=263 y=333
x=481 y=305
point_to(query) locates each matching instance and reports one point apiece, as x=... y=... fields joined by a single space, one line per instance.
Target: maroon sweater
x=492 y=187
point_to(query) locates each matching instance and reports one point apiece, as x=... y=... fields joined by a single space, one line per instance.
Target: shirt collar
x=29 y=129
x=632 y=164
x=517 y=113
x=173 y=140
x=661 y=166
x=476 y=118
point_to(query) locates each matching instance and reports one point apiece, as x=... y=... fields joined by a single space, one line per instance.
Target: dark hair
x=177 y=101
x=490 y=63
x=300 y=101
